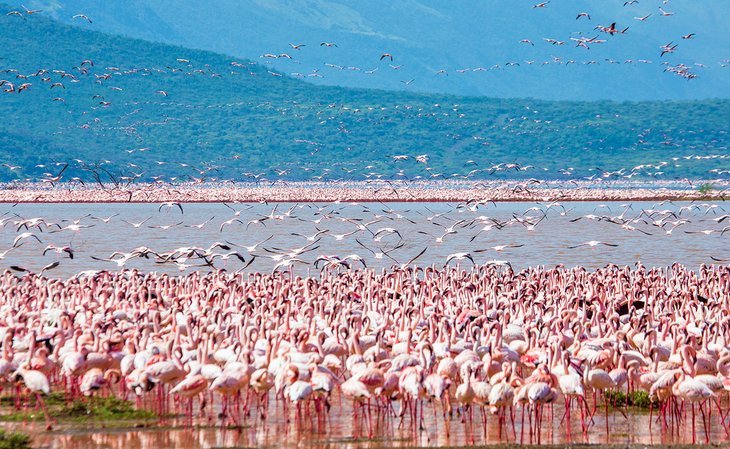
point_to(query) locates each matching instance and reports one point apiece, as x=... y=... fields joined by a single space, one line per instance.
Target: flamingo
x=228 y=385
x=571 y=385
x=690 y=390
x=355 y=390
x=189 y=387
x=598 y=379
x=82 y=16
x=37 y=383
x=465 y=396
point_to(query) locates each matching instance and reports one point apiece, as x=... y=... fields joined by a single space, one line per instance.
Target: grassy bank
x=14 y=440
x=94 y=408
x=636 y=399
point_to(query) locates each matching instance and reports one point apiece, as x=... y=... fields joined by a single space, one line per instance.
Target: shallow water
x=547 y=244
x=339 y=429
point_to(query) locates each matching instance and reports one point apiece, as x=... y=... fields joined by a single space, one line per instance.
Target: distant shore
x=441 y=191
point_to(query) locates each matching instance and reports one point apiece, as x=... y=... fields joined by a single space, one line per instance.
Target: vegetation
x=145 y=109
x=14 y=440
x=706 y=188
x=85 y=409
x=638 y=399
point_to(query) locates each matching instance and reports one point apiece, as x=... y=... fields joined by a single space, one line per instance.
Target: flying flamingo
x=82 y=16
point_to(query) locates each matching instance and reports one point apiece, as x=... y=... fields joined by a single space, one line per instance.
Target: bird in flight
x=82 y=16
x=31 y=11
x=53 y=179
x=169 y=205
x=386 y=55
x=592 y=243
x=459 y=257
x=138 y=224
x=500 y=248
x=403 y=266
x=59 y=249
x=24 y=236
x=612 y=29
x=668 y=48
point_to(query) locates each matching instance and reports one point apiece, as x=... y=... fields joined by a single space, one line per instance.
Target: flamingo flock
x=465 y=345
x=310 y=237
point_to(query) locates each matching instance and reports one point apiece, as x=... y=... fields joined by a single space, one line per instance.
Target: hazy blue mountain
x=426 y=36
x=144 y=110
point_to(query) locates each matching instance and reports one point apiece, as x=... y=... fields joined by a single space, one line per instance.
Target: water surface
x=419 y=225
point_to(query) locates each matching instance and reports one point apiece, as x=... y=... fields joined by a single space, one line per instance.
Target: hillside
x=475 y=43
x=145 y=109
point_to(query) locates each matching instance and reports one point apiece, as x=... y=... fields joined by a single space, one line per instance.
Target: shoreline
x=357 y=192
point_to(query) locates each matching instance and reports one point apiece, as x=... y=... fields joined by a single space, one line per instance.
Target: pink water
x=339 y=429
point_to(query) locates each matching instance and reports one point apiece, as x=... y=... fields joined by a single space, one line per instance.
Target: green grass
x=706 y=188
x=637 y=399
x=54 y=399
x=107 y=408
x=14 y=440
x=94 y=408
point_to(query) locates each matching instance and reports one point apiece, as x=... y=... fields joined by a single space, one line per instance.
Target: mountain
x=462 y=47
x=123 y=109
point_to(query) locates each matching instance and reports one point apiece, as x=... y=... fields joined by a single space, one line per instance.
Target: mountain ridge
x=207 y=115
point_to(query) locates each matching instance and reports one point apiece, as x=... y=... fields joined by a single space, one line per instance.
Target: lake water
x=419 y=225
x=340 y=430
